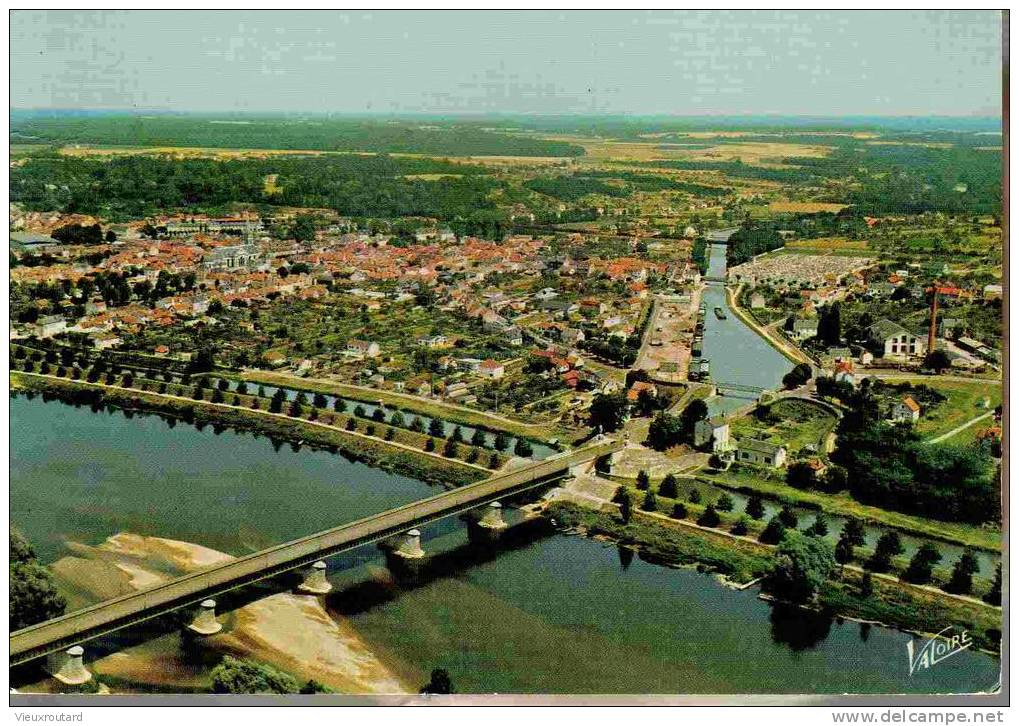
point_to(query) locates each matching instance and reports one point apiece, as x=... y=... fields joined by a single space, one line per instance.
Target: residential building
x=491 y=369
x=714 y=431
x=760 y=453
x=905 y=410
x=50 y=325
x=513 y=335
x=804 y=328
x=102 y=341
x=363 y=348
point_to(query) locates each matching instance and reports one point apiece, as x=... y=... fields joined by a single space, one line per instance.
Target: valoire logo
x=941 y=647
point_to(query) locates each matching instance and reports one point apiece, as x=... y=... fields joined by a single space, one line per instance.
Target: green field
x=965 y=402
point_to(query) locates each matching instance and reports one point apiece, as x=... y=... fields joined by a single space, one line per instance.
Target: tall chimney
x=934 y=321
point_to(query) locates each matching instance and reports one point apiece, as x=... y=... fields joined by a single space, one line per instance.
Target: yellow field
x=828 y=243
x=752 y=152
x=805 y=207
x=431 y=177
x=761 y=154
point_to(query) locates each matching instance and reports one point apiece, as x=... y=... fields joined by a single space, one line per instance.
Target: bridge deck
x=107 y=617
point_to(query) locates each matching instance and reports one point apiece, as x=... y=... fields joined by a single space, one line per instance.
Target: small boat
x=720 y=314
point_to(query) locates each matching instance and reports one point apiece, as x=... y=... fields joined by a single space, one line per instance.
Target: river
x=550 y=613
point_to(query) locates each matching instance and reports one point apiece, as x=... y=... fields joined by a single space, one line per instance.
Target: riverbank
x=846 y=506
x=741 y=559
x=414 y=404
x=391 y=456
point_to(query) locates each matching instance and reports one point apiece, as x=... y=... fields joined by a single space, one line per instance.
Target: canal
x=550 y=613
x=738 y=355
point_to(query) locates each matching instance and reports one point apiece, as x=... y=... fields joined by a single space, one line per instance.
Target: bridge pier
x=315 y=582
x=404 y=554
x=205 y=622
x=489 y=527
x=68 y=666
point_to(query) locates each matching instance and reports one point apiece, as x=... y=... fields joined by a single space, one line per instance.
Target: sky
x=828 y=63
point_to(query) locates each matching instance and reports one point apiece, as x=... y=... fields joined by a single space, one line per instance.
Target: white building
x=895 y=341
x=50 y=325
x=760 y=453
x=905 y=410
x=363 y=348
x=714 y=431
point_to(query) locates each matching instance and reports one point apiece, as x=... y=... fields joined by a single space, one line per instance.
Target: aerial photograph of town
x=413 y=356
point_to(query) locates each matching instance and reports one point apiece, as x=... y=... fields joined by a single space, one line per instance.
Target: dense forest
x=573 y=187
x=899 y=178
x=355 y=185
x=313 y=133
x=659 y=182
x=570 y=188
x=750 y=240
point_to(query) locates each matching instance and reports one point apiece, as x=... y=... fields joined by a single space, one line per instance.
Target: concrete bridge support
x=315 y=582
x=409 y=545
x=205 y=622
x=487 y=528
x=404 y=555
x=68 y=666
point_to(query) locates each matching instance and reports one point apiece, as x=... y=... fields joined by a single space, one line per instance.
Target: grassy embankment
x=794 y=354
x=743 y=560
x=403 y=454
x=740 y=561
x=982 y=582
x=843 y=504
x=415 y=404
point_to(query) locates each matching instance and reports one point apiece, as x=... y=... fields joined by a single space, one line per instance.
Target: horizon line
x=482 y=114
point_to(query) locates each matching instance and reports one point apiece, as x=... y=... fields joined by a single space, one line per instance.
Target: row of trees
x=436 y=428
x=782 y=529
x=299 y=409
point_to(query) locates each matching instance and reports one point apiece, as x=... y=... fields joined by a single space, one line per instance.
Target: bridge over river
x=89 y=623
